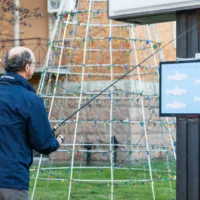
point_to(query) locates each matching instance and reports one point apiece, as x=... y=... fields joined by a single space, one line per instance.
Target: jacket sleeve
x=40 y=133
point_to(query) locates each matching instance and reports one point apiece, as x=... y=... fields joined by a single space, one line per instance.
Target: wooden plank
x=193 y=161
x=198 y=30
x=181 y=24
x=181 y=165
x=192 y=35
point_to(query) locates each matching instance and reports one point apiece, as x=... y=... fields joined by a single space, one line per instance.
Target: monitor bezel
x=160 y=90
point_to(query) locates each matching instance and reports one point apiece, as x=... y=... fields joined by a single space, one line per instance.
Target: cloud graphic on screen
x=176 y=91
x=176 y=105
x=177 y=77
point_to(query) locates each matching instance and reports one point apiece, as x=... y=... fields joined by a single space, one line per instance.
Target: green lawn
x=133 y=188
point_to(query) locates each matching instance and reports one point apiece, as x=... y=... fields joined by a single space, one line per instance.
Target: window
x=53 y=5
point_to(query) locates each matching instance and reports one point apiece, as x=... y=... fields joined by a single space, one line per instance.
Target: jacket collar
x=14 y=78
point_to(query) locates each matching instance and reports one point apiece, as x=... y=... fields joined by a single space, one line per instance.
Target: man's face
x=32 y=66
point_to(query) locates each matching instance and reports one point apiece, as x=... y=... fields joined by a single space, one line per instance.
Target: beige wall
x=39 y=29
x=166 y=34
x=6 y=29
x=39 y=26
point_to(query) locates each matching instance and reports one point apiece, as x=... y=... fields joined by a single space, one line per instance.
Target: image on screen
x=180 y=88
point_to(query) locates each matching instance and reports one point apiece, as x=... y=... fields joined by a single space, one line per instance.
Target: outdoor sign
x=180 y=88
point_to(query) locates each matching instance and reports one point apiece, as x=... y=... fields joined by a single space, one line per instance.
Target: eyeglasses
x=35 y=64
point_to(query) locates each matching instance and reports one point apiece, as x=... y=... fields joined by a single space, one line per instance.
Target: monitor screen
x=180 y=88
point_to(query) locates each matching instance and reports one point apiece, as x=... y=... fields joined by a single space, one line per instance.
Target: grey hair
x=17 y=62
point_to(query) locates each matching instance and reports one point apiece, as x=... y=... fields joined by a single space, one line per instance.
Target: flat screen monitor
x=180 y=88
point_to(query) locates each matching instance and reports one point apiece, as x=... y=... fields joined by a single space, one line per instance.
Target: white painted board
x=122 y=9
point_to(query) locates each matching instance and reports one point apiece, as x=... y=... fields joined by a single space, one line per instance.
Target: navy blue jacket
x=24 y=126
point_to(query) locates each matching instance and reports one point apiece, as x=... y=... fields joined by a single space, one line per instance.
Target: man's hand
x=60 y=139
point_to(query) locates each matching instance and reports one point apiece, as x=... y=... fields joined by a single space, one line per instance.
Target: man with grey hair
x=24 y=125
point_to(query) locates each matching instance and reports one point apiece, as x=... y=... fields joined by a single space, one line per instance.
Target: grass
x=57 y=185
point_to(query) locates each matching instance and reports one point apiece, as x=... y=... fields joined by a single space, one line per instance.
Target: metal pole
x=16 y=25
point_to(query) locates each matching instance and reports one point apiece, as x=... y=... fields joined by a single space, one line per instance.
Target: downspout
x=50 y=25
x=16 y=25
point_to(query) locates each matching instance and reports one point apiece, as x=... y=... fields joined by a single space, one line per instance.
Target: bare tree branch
x=8 y=10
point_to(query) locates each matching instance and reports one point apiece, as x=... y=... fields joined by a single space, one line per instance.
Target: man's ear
x=26 y=68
